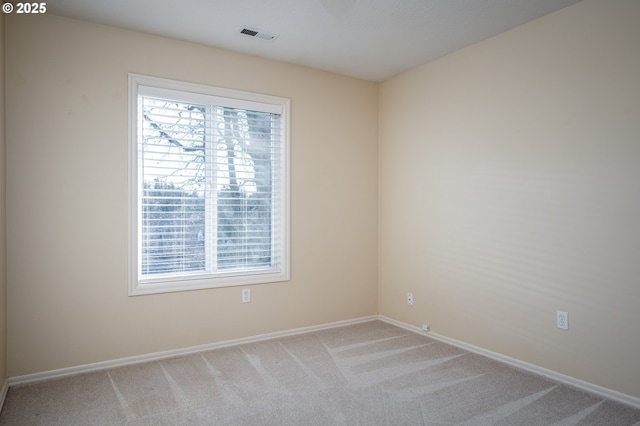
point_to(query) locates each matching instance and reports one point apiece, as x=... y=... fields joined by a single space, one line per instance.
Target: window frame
x=233 y=98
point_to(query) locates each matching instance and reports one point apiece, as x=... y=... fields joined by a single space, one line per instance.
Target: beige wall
x=3 y=241
x=509 y=188
x=67 y=198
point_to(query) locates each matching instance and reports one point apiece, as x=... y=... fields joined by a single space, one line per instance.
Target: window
x=208 y=173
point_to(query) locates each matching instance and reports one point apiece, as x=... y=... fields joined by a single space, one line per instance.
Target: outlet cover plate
x=562 y=320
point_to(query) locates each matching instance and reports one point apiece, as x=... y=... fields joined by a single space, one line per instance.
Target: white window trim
x=237 y=98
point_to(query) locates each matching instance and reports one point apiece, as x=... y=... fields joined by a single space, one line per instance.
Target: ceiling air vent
x=256 y=33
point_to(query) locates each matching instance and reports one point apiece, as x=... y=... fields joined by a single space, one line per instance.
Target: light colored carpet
x=365 y=374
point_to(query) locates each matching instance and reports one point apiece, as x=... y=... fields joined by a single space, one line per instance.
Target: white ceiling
x=368 y=39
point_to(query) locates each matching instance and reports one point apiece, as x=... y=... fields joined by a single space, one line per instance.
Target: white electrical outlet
x=410 y=299
x=426 y=327
x=246 y=295
x=562 y=320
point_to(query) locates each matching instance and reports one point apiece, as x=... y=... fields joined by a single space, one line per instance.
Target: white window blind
x=211 y=187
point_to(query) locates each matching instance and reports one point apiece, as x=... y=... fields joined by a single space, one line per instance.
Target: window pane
x=244 y=177
x=174 y=150
x=173 y=179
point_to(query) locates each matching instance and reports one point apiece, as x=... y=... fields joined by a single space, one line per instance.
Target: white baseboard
x=121 y=362
x=553 y=375
x=3 y=392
